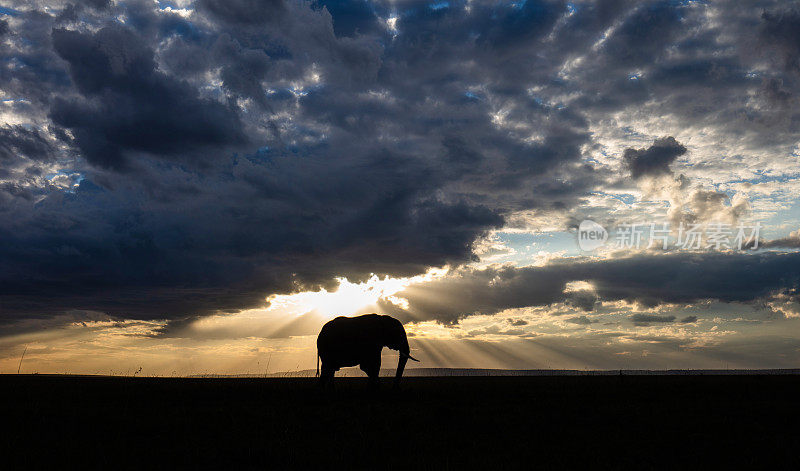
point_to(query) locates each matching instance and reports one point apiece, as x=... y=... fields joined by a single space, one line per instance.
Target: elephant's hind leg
x=326 y=376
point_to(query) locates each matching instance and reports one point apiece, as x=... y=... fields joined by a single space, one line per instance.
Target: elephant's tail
x=317 y=364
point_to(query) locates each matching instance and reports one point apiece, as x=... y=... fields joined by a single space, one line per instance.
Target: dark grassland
x=585 y=422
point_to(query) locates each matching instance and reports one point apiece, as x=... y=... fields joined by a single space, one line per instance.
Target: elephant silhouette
x=351 y=341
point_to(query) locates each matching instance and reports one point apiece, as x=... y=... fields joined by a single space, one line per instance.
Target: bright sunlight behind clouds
x=348 y=297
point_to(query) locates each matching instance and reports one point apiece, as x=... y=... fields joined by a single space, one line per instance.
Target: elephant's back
x=344 y=330
x=337 y=328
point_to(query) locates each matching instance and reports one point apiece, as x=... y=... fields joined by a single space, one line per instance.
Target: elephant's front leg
x=371 y=365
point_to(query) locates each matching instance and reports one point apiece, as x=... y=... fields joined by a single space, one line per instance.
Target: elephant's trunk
x=401 y=362
x=401 y=365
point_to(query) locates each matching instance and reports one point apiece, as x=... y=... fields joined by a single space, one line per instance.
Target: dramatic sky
x=197 y=186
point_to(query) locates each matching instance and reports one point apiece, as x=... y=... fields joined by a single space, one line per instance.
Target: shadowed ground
x=434 y=423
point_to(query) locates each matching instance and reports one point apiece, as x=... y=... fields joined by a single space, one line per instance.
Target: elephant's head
x=394 y=337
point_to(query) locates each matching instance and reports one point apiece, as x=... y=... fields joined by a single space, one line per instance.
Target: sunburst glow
x=349 y=297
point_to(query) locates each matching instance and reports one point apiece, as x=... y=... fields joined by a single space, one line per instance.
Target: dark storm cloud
x=97 y=4
x=244 y=11
x=581 y=320
x=584 y=300
x=127 y=106
x=226 y=205
x=645 y=320
x=668 y=61
x=352 y=17
x=588 y=21
x=689 y=320
x=641 y=37
x=648 y=280
x=258 y=147
x=780 y=31
x=790 y=242
x=654 y=160
x=16 y=141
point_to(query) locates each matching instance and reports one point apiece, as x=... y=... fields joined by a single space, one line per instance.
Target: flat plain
x=531 y=422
